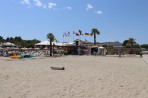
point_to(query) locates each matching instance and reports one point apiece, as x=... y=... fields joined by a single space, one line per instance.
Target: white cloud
x=99 y=12
x=69 y=7
x=25 y=2
x=37 y=3
x=89 y=6
x=51 y=5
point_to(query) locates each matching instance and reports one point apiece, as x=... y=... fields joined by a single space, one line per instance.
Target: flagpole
x=85 y=37
x=63 y=37
x=85 y=40
x=73 y=35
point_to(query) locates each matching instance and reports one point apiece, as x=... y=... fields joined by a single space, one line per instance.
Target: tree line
x=20 y=42
x=131 y=43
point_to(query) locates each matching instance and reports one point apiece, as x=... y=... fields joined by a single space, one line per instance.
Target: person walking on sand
x=119 y=52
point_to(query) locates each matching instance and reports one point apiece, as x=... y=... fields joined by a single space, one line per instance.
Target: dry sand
x=84 y=77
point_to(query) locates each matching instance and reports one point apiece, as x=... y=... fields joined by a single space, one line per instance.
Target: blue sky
x=117 y=20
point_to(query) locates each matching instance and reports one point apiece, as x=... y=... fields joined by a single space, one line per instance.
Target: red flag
x=77 y=34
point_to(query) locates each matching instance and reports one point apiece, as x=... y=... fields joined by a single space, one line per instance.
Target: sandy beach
x=83 y=77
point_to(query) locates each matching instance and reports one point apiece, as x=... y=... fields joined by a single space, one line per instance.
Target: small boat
x=15 y=57
x=26 y=56
x=57 y=68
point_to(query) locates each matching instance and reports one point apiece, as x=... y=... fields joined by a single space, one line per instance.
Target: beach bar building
x=77 y=47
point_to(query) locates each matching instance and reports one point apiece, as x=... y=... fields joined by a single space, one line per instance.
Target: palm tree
x=94 y=31
x=131 y=42
x=51 y=38
x=1 y=39
x=125 y=43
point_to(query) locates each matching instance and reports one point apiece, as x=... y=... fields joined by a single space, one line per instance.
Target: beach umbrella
x=44 y=43
x=101 y=47
x=24 y=48
x=1 y=48
x=45 y=48
x=36 y=48
x=94 y=46
x=15 y=48
x=30 y=48
x=9 y=44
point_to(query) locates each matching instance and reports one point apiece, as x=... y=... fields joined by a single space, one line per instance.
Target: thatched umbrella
x=24 y=48
x=8 y=44
x=36 y=48
x=1 y=49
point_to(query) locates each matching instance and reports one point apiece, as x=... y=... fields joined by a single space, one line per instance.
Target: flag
x=65 y=35
x=80 y=32
x=86 y=34
x=68 y=34
x=73 y=32
x=77 y=34
x=56 y=41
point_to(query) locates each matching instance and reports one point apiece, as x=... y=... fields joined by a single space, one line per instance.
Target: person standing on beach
x=119 y=52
